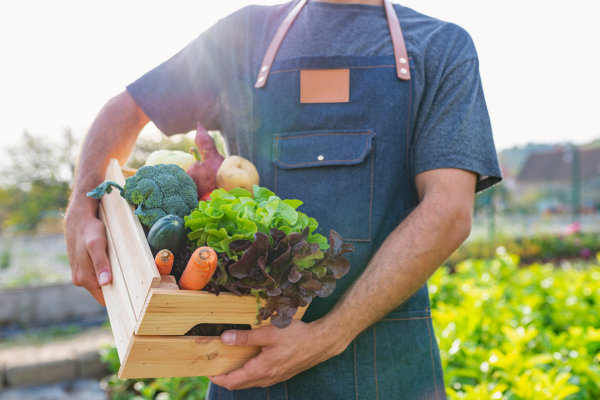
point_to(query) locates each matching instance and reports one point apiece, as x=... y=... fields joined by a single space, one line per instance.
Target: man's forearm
x=407 y=258
x=112 y=135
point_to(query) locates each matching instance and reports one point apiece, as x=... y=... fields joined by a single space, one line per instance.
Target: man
x=380 y=128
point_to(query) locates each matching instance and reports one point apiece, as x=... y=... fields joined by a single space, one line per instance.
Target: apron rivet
x=262 y=78
x=402 y=60
x=263 y=69
x=320 y=158
x=403 y=70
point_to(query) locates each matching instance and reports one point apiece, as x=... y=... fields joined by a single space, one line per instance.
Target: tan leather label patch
x=325 y=86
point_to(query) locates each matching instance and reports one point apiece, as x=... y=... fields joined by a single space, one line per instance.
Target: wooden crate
x=149 y=314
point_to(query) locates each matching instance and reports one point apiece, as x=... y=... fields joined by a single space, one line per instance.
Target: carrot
x=199 y=270
x=164 y=262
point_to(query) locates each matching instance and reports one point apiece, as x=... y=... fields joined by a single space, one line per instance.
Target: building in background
x=558 y=180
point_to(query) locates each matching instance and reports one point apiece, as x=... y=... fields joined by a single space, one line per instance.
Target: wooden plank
x=170 y=312
x=132 y=249
x=167 y=279
x=127 y=172
x=168 y=285
x=120 y=311
x=180 y=356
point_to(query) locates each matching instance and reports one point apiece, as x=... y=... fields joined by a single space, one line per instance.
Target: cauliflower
x=157 y=191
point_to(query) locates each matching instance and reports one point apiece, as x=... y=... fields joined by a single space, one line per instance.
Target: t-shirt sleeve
x=455 y=129
x=183 y=90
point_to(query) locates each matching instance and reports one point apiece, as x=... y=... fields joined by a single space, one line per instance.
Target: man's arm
x=112 y=135
x=412 y=252
x=407 y=258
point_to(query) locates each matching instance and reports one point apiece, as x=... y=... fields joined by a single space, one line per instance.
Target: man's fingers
x=251 y=372
x=90 y=283
x=254 y=337
x=96 y=247
x=98 y=295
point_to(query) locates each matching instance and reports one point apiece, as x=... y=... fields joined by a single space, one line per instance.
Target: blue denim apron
x=350 y=163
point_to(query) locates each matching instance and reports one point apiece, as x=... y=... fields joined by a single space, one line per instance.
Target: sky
x=61 y=60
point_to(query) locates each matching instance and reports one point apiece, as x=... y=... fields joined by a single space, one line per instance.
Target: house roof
x=556 y=165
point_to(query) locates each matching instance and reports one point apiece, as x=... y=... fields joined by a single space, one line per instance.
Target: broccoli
x=157 y=190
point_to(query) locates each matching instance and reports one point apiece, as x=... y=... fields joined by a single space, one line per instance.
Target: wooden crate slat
x=120 y=311
x=180 y=356
x=168 y=285
x=134 y=254
x=175 y=312
x=167 y=279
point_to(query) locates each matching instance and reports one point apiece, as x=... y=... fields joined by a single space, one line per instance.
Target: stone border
x=44 y=305
x=54 y=362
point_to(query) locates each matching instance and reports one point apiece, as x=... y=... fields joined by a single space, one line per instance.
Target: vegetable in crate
x=176 y=157
x=237 y=172
x=164 y=262
x=208 y=150
x=199 y=270
x=203 y=175
x=157 y=190
x=168 y=233
x=267 y=248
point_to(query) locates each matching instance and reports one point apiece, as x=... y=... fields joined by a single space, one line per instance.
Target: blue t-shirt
x=211 y=80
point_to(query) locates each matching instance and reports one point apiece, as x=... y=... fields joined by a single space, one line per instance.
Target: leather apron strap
x=395 y=31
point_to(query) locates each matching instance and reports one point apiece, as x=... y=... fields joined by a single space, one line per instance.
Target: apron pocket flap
x=321 y=148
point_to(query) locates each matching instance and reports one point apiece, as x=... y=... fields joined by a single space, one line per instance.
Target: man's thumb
x=243 y=338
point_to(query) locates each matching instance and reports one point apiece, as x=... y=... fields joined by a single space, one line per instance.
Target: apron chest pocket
x=332 y=172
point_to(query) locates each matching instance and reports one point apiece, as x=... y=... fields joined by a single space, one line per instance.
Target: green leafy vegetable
x=268 y=249
x=236 y=215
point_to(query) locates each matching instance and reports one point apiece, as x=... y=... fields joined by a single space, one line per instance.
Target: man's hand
x=410 y=255
x=285 y=353
x=86 y=247
x=112 y=135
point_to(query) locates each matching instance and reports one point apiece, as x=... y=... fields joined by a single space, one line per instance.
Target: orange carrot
x=164 y=262
x=199 y=270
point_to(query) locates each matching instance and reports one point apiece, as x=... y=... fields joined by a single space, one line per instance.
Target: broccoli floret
x=175 y=205
x=157 y=190
x=152 y=216
x=190 y=196
x=169 y=184
x=145 y=192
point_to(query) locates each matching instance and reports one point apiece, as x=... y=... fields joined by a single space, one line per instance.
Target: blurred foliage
x=518 y=333
x=37 y=174
x=23 y=207
x=5 y=257
x=33 y=336
x=538 y=247
x=38 y=160
x=29 y=275
x=504 y=332
x=160 y=389
x=35 y=180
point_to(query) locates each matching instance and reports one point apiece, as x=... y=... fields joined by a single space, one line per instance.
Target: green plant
x=518 y=333
x=547 y=247
x=136 y=389
x=5 y=258
x=35 y=180
x=269 y=249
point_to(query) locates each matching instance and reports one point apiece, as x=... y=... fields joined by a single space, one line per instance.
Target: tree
x=36 y=180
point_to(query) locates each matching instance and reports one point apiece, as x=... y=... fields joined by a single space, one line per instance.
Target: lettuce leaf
x=267 y=247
